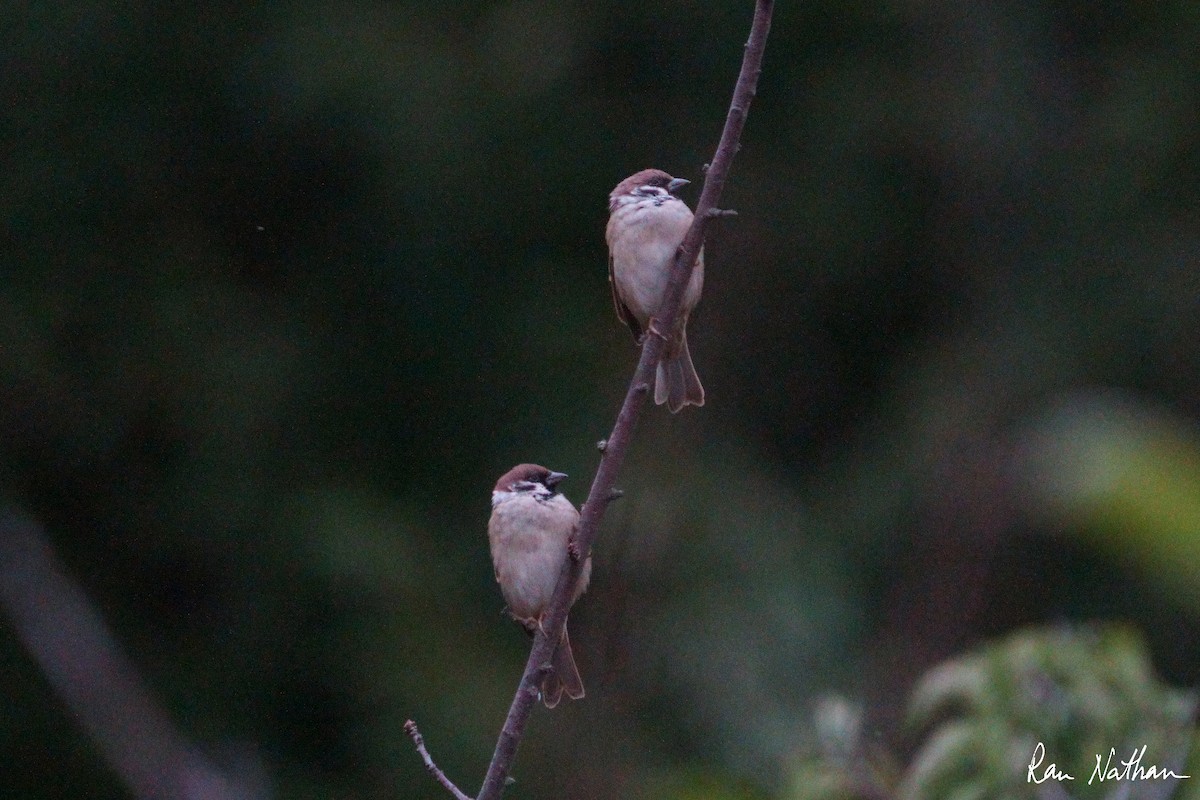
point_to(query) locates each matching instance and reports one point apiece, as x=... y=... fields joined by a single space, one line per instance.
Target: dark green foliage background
x=286 y=286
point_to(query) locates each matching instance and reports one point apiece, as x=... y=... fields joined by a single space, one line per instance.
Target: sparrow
x=646 y=225
x=528 y=532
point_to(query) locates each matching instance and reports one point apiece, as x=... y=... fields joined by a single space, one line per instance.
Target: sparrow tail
x=676 y=382
x=564 y=677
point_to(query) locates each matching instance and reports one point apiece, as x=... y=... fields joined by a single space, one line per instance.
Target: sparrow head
x=649 y=183
x=530 y=479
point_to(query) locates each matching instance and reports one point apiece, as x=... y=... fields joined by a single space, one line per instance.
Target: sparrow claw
x=653 y=328
x=573 y=550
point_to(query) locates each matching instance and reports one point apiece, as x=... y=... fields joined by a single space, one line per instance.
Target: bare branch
x=617 y=443
x=410 y=728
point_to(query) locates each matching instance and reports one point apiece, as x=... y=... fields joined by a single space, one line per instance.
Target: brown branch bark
x=613 y=452
x=410 y=728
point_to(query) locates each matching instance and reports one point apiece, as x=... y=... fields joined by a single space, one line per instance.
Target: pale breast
x=528 y=541
x=643 y=238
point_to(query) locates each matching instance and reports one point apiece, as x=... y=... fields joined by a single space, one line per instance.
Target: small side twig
x=410 y=728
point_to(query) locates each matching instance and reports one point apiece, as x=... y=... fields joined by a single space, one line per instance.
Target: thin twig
x=617 y=444
x=410 y=728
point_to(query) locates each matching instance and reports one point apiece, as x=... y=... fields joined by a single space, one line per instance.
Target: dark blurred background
x=287 y=286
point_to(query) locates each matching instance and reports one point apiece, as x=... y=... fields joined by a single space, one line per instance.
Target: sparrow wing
x=623 y=312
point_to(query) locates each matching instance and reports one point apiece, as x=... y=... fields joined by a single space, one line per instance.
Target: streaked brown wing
x=623 y=313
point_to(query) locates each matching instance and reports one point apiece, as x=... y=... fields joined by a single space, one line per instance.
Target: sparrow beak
x=676 y=184
x=554 y=479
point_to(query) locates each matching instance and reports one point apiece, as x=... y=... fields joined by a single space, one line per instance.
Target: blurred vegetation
x=1017 y=717
x=286 y=286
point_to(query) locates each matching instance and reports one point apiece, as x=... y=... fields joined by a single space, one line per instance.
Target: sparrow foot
x=573 y=550
x=653 y=328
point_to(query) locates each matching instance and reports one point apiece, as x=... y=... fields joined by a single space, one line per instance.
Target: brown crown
x=522 y=472
x=651 y=177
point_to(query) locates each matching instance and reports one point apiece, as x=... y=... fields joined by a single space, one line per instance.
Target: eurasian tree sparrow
x=646 y=225
x=529 y=530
